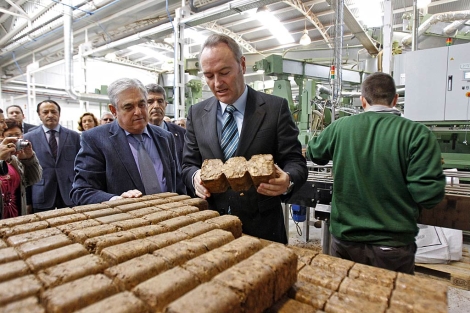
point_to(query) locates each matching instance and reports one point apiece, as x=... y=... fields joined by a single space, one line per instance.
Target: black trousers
x=399 y=259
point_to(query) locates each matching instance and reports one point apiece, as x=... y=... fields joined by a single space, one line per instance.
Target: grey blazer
x=105 y=166
x=56 y=174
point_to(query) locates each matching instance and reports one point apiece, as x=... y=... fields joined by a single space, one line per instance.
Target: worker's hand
x=25 y=153
x=134 y=193
x=276 y=186
x=201 y=191
x=7 y=148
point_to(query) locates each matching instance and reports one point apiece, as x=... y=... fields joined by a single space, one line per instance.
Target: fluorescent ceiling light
x=274 y=25
x=149 y=52
x=423 y=3
x=370 y=12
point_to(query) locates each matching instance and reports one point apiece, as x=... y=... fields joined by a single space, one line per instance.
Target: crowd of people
x=389 y=167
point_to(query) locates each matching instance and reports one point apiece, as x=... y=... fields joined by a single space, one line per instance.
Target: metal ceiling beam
x=14 y=14
x=297 y=4
x=24 y=25
x=356 y=28
x=213 y=26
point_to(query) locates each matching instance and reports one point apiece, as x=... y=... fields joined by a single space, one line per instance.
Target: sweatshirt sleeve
x=425 y=178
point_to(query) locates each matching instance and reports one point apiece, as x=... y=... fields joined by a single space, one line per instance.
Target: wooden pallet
x=457 y=273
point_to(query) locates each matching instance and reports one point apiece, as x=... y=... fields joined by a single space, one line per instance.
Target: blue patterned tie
x=229 y=141
x=147 y=171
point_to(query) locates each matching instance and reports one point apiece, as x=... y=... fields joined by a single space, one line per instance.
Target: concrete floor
x=458 y=299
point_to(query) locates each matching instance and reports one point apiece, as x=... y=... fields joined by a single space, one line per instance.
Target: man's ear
x=112 y=109
x=363 y=102
x=395 y=100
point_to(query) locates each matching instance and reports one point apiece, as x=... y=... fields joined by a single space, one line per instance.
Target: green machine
x=307 y=114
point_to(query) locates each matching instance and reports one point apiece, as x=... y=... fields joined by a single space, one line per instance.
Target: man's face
x=15 y=113
x=131 y=112
x=181 y=123
x=49 y=115
x=107 y=118
x=156 y=106
x=3 y=125
x=223 y=74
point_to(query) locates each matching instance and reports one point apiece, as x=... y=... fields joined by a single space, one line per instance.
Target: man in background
x=106 y=118
x=56 y=148
x=16 y=112
x=259 y=124
x=157 y=105
x=387 y=168
x=181 y=122
x=116 y=159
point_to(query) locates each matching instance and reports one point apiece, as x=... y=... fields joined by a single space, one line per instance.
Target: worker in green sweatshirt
x=386 y=169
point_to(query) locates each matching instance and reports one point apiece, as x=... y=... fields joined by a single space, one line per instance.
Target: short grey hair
x=105 y=113
x=118 y=86
x=216 y=39
x=155 y=88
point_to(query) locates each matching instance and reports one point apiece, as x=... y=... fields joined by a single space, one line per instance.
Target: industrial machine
x=312 y=106
x=437 y=93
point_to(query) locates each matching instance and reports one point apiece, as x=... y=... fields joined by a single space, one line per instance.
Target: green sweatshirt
x=385 y=169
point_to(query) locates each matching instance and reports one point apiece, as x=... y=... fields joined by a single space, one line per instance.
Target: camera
x=21 y=144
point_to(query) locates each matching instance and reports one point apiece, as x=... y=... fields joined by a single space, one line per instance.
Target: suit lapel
x=252 y=120
x=209 y=122
x=63 y=135
x=121 y=147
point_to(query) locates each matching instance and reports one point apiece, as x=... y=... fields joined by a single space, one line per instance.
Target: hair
x=155 y=88
x=15 y=106
x=46 y=101
x=216 y=39
x=11 y=123
x=118 y=86
x=105 y=113
x=1 y=111
x=80 y=124
x=379 y=88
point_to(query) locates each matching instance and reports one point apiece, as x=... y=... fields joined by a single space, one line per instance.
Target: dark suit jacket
x=178 y=132
x=27 y=127
x=105 y=166
x=57 y=172
x=268 y=128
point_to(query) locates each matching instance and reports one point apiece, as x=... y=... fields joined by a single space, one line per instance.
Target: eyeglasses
x=108 y=119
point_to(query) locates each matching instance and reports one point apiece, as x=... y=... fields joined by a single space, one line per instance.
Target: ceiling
x=134 y=32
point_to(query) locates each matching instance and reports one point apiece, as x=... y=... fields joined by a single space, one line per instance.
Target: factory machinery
x=437 y=96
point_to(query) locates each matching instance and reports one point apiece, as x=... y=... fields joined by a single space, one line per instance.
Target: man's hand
x=7 y=148
x=134 y=193
x=276 y=186
x=201 y=191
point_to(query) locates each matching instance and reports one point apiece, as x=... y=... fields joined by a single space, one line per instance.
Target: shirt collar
x=57 y=128
x=144 y=132
x=239 y=104
x=379 y=108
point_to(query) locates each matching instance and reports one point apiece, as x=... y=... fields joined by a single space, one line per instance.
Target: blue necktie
x=53 y=143
x=147 y=170
x=229 y=141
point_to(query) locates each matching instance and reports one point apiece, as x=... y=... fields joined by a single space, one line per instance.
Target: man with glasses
x=157 y=105
x=106 y=118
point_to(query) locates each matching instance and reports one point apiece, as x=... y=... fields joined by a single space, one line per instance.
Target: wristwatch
x=291 y=185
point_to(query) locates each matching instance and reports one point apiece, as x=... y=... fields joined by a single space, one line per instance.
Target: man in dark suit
x=108 y=166
x=56 y=148
x=157 y=106
x=16 y=112
x=264 y=126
